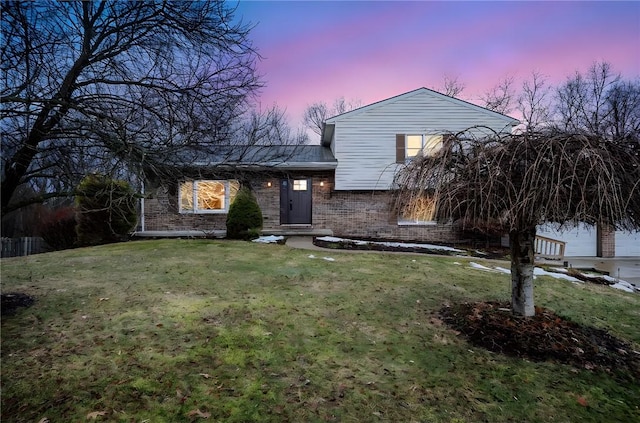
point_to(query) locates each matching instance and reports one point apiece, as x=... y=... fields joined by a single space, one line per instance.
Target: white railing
x=548 y=248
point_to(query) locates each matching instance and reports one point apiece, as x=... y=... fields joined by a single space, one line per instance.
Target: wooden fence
x=23 y=246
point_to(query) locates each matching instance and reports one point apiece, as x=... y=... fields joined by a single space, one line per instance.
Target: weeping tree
x=514 y=182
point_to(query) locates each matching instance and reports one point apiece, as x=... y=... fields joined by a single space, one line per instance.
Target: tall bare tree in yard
x=512 y=183
x=534 y=102
x=500 y=98
x=452 y=86
x=315 y=114
x=599 y=101
x=116 y=85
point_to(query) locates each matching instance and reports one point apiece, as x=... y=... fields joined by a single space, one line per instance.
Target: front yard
x=200 y=330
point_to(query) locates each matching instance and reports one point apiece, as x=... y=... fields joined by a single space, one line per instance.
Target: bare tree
x=623 y=105
x=317 y=113
x=581 y=101
x=513 y=183
x=452 y=86
x=500 y=98
x=269 y=127
x=116 y=85
x=314 y=116
x=534 y=102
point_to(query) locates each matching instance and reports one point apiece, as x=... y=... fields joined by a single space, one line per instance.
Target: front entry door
x=295 y=201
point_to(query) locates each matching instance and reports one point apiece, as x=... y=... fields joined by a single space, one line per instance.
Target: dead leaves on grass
x=198 y=413
x=94 y=415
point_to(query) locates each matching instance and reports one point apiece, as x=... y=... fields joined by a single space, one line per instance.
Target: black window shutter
x=400 y=157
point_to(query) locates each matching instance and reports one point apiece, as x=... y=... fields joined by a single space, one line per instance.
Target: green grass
x=160 y=330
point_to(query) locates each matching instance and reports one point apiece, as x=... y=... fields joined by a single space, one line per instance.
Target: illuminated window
x=418 y=211
x=300 y=185
x=207 y=196
x=426 y=145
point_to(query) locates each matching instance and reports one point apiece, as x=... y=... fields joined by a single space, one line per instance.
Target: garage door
x=581 y=241
x=627 y=244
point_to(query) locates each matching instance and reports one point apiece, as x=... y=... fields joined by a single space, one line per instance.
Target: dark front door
x=295 y=201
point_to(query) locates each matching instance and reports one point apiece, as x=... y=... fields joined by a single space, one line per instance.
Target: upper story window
x=204 y=196
x=412 y=145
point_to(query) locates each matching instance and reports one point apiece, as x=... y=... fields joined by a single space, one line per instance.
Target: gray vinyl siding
x=365 y=143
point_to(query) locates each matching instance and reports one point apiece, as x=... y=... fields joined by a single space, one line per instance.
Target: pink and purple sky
x=371 y=50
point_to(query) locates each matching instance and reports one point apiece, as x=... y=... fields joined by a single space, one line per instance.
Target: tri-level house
x=340 y=187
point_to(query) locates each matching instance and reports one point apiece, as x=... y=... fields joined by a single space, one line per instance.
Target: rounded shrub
x=106 y=210
x=244 y=220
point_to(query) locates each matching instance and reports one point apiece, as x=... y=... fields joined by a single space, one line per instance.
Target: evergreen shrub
x=244 y=219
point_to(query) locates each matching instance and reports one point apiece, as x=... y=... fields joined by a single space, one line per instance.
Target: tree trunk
x=521 y=244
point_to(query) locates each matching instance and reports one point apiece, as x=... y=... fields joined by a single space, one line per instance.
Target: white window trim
x=194 y=194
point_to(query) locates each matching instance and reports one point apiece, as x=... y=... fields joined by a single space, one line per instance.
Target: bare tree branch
x=500 y=97
x=118 y=82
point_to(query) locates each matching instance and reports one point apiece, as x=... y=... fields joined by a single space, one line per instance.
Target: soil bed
x=10 y=302
x=544 y=337
x=405 y=247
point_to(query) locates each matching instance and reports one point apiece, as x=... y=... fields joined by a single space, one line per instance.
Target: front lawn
x=203 y=330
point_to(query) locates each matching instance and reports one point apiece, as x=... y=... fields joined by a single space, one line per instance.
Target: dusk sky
x=371 y=50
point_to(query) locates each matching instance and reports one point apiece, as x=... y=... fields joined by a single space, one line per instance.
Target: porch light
x=321 y=183
x=269 y=184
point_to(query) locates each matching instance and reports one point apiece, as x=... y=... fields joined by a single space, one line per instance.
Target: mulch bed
x=544 y=337
x=374 y=245
x=10 y=302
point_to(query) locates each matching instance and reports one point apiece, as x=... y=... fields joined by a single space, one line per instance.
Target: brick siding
x=346 y=213
x=606 y=241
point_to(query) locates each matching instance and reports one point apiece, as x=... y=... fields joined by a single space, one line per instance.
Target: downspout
x=142 y=206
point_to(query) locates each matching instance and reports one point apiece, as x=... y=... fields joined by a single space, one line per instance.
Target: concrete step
x=297 y=231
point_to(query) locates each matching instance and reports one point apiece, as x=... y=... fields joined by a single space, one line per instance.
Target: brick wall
x=346 y=213
x=161 y=214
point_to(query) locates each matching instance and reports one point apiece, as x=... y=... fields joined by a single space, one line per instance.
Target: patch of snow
x=480 y=267
x=329 y=258
x=538 y=271
x=270 y=239
x=561 y=274
x=624 y=285
x=311 y=256
x=423 y=246
x=390 y=244
x=329 y=239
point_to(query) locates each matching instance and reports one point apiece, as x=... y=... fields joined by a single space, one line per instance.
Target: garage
x=627 y=244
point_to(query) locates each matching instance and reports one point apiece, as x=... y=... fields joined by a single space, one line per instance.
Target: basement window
x=207 y=196
x=418 y=211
